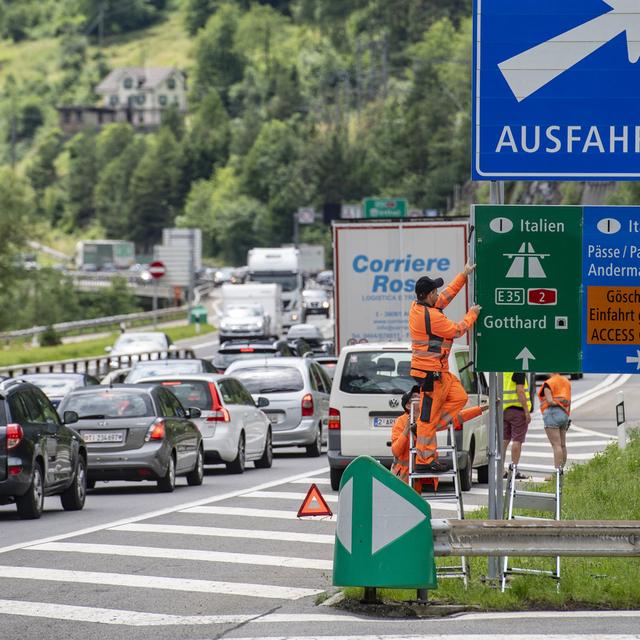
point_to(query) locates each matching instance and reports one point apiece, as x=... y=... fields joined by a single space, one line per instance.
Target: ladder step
x=535 y=501
x=533 y=572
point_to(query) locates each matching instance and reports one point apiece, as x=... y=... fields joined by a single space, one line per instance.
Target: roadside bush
x=50 y=337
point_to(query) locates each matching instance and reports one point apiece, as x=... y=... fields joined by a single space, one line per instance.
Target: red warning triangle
x=314 y=504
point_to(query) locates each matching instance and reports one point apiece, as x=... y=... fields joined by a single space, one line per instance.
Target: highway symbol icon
x=526 y=256
x=314 y=504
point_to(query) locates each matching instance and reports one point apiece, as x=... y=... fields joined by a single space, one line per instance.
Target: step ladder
x=446 y=451
x=517 y=498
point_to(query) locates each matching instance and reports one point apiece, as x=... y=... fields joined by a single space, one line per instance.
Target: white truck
x=280 y=265
x=376 y=266
x=311 y=259
x=268 y=296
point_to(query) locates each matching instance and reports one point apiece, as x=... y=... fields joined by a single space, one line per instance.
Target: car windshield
x=127 y=339
x=223 y=360
x=270 y=379
x=372 y=372
x=314 y=294
x=191 y=393
x=155 y=368
x=110 y=403
x=242 y=312
x=288 y=281
x=55 y=385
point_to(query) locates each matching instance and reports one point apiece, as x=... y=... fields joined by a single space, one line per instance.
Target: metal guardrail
x=530 y=538
x=96 y=366
x=62 y=327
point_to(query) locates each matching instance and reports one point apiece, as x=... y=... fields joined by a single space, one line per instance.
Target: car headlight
x=325 y=304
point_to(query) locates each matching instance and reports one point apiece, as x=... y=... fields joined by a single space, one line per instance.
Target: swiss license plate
x=384 y=421
x=103 y=436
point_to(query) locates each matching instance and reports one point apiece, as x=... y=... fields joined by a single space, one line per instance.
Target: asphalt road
x=227 y=559
x=230 y=559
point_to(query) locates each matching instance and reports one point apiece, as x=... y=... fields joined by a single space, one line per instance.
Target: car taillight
x=14 y=435
x=307 y=406
x=334 y=418
x=218 y=412
x=156 y=431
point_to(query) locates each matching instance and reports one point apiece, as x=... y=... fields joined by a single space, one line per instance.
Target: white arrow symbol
x=636 y=359
x=525 y=355
x=535 y=68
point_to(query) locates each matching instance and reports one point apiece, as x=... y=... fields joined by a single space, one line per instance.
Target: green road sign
x=383 y=534
x=528 y=282
x=384 y=207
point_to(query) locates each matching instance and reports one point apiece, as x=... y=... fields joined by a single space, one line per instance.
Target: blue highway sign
x=611 y=290
x=556 y=90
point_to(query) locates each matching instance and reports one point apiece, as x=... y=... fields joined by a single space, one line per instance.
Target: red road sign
x=542 y=296
x=157 y=269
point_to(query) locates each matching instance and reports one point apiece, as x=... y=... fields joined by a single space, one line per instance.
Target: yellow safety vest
x=509 y=393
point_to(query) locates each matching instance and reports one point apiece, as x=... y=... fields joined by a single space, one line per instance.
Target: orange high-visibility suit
x=400 y=444
x=442 y=394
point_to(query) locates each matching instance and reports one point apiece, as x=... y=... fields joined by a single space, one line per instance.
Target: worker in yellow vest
x=516 y=415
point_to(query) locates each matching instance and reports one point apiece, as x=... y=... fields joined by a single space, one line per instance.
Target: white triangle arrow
x=634 y=359
x=531 y=70
x=525 y=355
x=392 y=516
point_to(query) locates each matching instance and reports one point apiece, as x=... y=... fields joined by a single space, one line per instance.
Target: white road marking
x=186 y=554
x=437 y=505
x=518 y=615
x=285 y=495
x=157 y=582
x=98 y=615
x=161 y=512
x=310 y=481
x=577 y=435
x=251 y=534
x=549 y=454
x=446 y=636
x=251 y=513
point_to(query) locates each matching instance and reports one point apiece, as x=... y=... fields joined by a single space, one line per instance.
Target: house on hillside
x=137 y=95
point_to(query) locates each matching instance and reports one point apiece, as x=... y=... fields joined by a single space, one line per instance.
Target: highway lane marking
x=284 y=495
x=161 y=512
x=251 y=534
x=73 y=613
x=198 y=555
x=578 y=435
x=310 y=481
x=158 y=582
x=251 y=513
x=549 y=454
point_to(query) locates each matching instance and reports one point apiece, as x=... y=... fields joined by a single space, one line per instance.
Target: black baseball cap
x=406 y=398
x=426 y=285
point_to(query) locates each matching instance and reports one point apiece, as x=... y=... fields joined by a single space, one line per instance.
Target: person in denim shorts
x=555 y=403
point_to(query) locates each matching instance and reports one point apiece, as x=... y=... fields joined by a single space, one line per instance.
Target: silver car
x=298 y=391
x=244 y=321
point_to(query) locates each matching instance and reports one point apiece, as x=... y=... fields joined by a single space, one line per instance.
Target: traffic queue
x=159 y=419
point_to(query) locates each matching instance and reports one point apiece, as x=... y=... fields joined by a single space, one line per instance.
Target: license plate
x=104 y=436
x=384 y=421
x=274 y=418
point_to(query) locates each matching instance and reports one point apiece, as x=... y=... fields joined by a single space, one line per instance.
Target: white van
x=368 y=385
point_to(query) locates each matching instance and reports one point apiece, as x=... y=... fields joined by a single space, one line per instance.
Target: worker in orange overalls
x=555 y=404
x=432 y=335
x=400 y=437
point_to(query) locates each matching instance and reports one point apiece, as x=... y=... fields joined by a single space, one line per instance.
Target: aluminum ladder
x=449 y=450
x=517 y=498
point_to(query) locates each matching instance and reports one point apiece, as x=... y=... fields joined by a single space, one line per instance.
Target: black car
x=138 y=432
x=245 y=350
x=57 y=385
x=39 y=455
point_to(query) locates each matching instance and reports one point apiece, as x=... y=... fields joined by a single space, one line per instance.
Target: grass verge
x=86 y=348
x=605 y=488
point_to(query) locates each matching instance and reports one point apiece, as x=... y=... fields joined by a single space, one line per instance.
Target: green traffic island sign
x=383 y=532
x=528 y=282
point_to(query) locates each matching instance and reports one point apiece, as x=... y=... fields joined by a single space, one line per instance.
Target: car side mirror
x=262 y=402
x=194 y=412
x=108 y=349
x=70 y=417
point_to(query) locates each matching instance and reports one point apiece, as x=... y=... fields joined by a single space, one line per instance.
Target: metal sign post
x=157 y=270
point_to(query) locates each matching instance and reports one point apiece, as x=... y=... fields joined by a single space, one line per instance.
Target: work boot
x=436 y=466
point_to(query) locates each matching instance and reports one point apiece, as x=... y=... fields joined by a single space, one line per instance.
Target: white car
x=368 y=384
x=244 y=321
x=128 y=344
x=234 y=429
